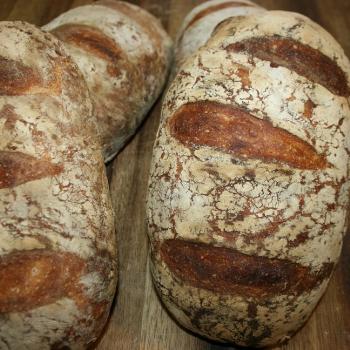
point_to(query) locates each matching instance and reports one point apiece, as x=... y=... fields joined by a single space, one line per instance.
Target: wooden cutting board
x=138 y=320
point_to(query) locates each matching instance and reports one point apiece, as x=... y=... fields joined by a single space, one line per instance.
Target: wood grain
x=138 y=320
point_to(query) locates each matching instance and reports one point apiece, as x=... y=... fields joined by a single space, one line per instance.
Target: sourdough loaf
x=57 y=247
x=249 y=185
x=124 y=55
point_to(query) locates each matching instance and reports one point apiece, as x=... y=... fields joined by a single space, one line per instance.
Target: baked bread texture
x=199 y=24
x=249 y=186
x=57 y=248
x=124 y=55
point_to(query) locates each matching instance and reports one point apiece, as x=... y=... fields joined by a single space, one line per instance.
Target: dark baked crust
x=17 y=168
x=233 y=130
x=227 y=271
x=298 y=57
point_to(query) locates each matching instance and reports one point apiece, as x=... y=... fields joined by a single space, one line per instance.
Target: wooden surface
x=138 y=321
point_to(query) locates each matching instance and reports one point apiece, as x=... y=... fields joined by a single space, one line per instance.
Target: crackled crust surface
x=199 y=24
x=249 y=185
x=124 y=55
x=57 y=243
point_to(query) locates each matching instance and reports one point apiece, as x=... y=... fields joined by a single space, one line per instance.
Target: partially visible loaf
x=124 y=55
x=199 y=24
x=57 y=240
x=249 y=185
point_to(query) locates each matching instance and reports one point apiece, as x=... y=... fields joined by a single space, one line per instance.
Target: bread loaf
x=57 y=247
x=201 y=21
x=249 y=186
x=124 y=55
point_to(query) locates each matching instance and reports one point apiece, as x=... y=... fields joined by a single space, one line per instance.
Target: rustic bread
x=124 y=55
x=198 y=25
x=57 y=247
x=249 y=186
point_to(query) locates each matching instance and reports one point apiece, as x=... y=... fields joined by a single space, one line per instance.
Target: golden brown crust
x=227 y=271
x=35 y=278
x=16 y=78
x=17 y=168
x=243 y=74
x=235 y=131
x=93 y=41
x=301 y=58
x=308 y=108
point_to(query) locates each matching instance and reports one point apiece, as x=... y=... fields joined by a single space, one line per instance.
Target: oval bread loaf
x=249 y=186
x=124 y=55
x=57 y=247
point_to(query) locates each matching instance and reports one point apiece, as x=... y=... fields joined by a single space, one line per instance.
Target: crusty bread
x=58 y=251
x=249 y=186
x=199 y=24
x=124 y=55
x=57 y=247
